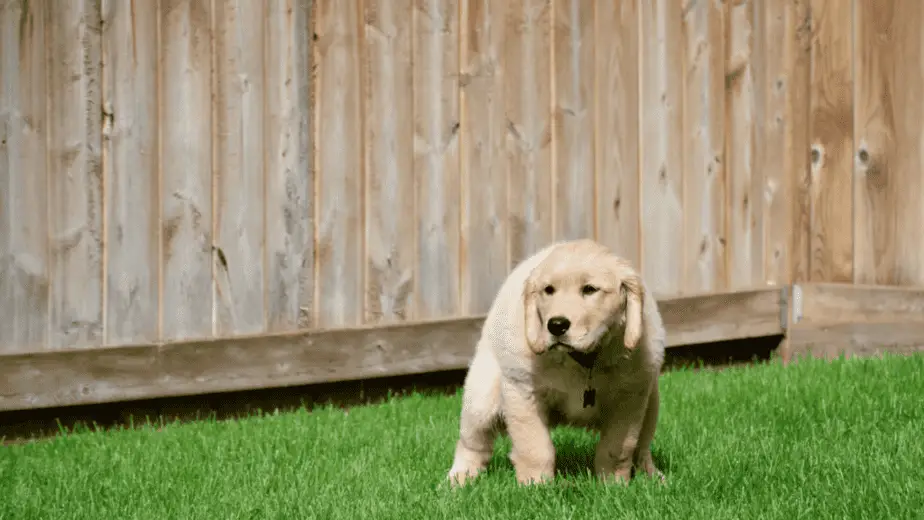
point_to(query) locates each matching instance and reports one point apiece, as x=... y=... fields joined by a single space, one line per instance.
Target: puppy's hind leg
x=478 y=424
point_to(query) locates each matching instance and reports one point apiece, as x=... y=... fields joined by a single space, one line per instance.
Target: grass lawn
x=815 y=440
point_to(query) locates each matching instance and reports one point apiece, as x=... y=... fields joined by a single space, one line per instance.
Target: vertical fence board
x=774 y=189
x=573 y=118
x=704 y=147
x=796 y=49
x=237 y=139
x=186 y=169
x=389 y=160
x=529 y=132
x=484 y=130
x=436 y=157
x=289 y=244
x=617 y=127
x=742 y=65
x=75 y=173
x=831 y=134
x=889 y=218
x=23 y=178
x=339 y=172
x=662 y=145
x=130 y=144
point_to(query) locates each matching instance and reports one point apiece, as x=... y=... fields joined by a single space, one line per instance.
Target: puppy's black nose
x=558 y=325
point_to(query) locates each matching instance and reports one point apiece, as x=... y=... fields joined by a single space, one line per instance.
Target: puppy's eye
x=587 y=290
x=549 y=289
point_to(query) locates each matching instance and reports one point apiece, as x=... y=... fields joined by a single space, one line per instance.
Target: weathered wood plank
x=796 y=51
x=573 y=121
x=889 y=184
x=389 y=161
x=131 y=169
x=289 y=205
x=225 y=364
x=436 y=156
x=831 y=134
x=23 y=178
x=828 y=303
x=662 y=145
x=186 y=169
x=856 y=340
x=75 y=174
x=743 y=68
x=704 y=147
x=339 y=166
x=529 y=127
x=237 y=138
x=617 y=127
x=775 y=189
x=721 y=316
x=484 y=161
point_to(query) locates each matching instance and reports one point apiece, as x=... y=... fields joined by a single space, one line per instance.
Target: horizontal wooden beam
x=819 y=304
x=855 y=339
x=833 y=319
x=722 y=316
x=88 y=376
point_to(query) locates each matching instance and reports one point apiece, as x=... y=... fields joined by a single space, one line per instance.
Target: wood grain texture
x=529 y=127
x=617 y=110
x=825 y=304
x=225 y=364
x=484 y=160
x=289 y=217
x=339 y=171
x=131 y=169
x=721 y=316
x=889 y=184
x=186 y=169
x=573 y=121
x=704 y=147
x=853 y=340
x=238 y=184
x=237 y=363
x=796 y=49
x=744 y=203
x=389 y=160
x=662 y=145
x=436 y=156
x=75 y=174
x=24 y=276
x=831 y=134
x=773 y=187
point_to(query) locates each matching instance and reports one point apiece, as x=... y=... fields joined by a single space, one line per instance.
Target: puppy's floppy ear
x=634 y=295
x=531 y=317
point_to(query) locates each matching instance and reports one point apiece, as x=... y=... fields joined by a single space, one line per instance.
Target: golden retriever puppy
x=573 y=337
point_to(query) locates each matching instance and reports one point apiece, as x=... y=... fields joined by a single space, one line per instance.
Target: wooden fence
x=196 y=183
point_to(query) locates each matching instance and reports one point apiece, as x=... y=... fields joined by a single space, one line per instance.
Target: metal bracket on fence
x=790 y=305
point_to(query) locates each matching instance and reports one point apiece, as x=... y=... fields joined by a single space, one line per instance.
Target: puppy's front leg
x=533 y=454
x=619 y=436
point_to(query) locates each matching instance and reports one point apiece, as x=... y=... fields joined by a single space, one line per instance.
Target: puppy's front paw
x=459 y=476
x=620 y=476
x=529 y=478
x=533 y=472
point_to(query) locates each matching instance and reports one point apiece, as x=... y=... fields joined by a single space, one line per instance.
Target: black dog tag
x=590 y=396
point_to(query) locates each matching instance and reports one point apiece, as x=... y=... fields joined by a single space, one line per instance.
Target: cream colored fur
x=518 y=382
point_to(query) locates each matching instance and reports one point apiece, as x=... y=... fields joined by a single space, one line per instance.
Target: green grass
x=815 y=440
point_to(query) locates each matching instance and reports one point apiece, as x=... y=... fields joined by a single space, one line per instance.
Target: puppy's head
x=579 y=294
